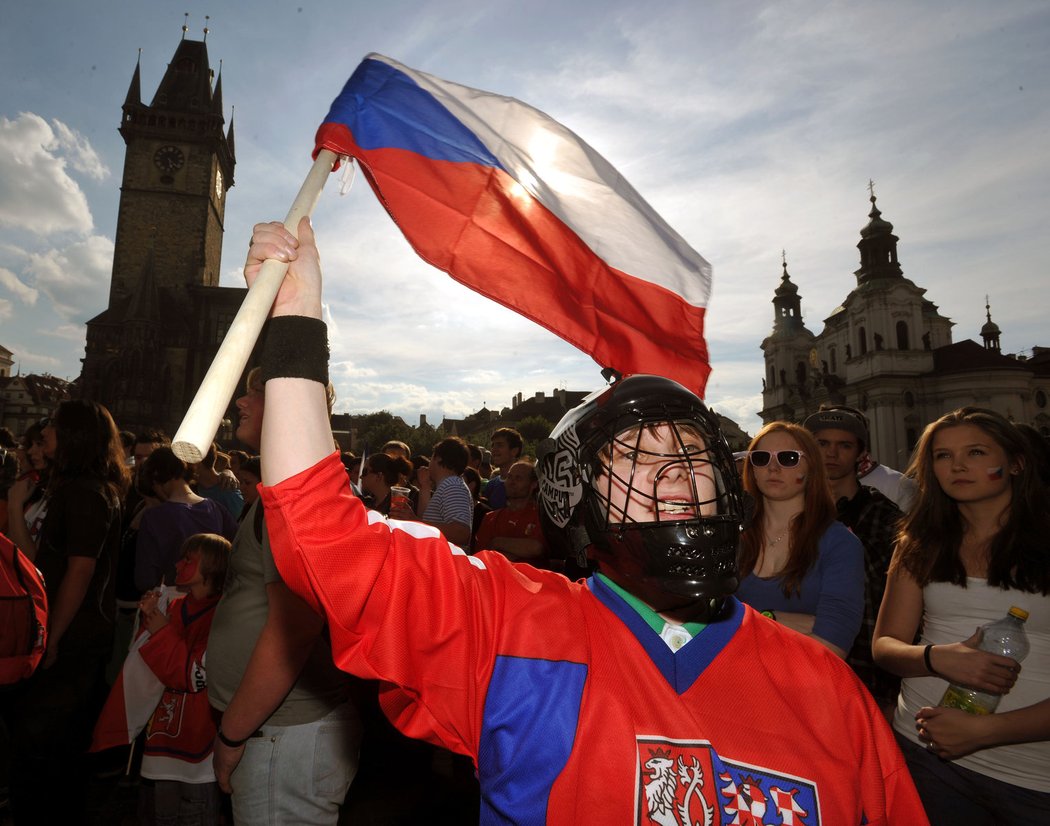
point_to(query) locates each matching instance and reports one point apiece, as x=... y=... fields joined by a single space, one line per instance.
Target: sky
x=752 y=127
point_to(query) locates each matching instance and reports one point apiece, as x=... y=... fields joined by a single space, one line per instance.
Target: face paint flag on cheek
x=185 y=571
x=995 y=473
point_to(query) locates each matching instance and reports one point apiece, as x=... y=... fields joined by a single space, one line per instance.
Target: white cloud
x=79 y=151
x=31 y=361
x=75 y=278
x=69 y=332
x=6 y=308
x=36 y=193
x=11 y=282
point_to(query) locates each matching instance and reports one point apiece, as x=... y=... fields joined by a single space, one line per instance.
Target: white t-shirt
x=951 y=614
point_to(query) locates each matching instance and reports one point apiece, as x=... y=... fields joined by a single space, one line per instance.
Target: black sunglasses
x=785 y=458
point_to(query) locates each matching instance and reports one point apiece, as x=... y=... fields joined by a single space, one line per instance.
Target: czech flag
x=515 y=206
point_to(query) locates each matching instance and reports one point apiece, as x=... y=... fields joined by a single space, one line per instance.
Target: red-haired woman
x=798 y=565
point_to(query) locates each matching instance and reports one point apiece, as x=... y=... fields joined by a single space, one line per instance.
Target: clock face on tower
x=168 y=159
x=218 y=184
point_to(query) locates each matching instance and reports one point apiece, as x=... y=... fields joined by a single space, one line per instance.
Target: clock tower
x=148 y=350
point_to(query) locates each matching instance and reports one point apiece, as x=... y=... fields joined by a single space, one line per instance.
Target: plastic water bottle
x=1005 y=637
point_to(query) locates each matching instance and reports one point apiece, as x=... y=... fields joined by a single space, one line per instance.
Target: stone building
x=28 y=399
x=6 y=362
x=147 y=352
x=888 y=351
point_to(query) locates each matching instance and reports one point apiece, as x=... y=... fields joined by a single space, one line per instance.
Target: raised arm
x=293 y=405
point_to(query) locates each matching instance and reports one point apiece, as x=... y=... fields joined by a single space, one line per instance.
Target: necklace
x=775 y=541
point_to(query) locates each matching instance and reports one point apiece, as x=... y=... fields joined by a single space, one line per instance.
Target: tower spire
x=185 y=24
x=990 y=332
x=134 y=96
x=787 y=305
x=878 y=246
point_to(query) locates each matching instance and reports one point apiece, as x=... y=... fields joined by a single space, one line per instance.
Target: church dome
x=877 y=225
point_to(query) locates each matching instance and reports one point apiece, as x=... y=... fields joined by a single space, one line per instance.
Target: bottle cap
x=1020 y=613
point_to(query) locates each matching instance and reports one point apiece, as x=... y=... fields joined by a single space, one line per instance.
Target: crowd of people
x=630 y=627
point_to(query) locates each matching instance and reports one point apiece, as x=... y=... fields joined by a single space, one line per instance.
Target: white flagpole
x=201 y=421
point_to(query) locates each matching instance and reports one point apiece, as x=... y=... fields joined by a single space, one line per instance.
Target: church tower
x=990 y=331
x=148 y=350
x=788 y=351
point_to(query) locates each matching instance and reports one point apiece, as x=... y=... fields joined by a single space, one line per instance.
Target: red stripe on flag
x=478 y=225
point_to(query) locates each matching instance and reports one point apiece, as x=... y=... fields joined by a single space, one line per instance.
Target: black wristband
x=226 y=741
x=295 y=347
x=926 y=659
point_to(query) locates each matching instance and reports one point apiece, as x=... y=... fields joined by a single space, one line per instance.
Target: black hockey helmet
x=639 y=477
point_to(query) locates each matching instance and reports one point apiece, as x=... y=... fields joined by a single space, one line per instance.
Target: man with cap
x=842 y=434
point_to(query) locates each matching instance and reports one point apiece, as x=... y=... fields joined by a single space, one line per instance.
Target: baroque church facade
x=148 y=351
x=888 y=351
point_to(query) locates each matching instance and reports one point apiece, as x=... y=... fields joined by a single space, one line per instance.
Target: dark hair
x=511 y=436
x=453 y=453
x=253 y=465
x=475 y=453
x=818 y=511
x=87 y=444
x=349 y=460
x=152 y=436
x=1039 y=451
x=127 y=438
x=161 y=466
x=391 y=468
x=473 y=478
x=215 y=557
x=33 y=433
x=931 y=532
x=7 y=438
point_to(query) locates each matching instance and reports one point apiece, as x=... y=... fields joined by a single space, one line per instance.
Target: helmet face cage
x=641 y=475
x=657 y=472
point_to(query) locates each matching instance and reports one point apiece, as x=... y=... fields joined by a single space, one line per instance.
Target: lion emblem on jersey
x=689 y=784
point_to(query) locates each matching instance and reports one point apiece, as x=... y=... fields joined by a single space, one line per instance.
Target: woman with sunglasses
x=382 y=472
x=973 y=545
x=798 y=565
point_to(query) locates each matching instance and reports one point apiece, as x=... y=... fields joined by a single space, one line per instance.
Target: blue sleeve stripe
x=532 y=710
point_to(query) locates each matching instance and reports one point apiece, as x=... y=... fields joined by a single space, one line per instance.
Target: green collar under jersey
x=652 y=619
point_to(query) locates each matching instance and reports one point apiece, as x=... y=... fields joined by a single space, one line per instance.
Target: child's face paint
x=187 y=568
x=995 y=472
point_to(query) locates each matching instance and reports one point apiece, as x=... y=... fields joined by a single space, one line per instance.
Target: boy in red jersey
x=646 y=694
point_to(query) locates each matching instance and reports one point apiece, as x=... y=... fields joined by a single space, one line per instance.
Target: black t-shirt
x=82 y=520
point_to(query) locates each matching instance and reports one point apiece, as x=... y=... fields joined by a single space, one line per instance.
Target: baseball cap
x=840 y=420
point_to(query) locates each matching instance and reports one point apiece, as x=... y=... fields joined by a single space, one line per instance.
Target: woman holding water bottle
x=975 y=544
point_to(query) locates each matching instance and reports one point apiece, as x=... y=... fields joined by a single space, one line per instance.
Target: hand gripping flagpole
x=201 y=421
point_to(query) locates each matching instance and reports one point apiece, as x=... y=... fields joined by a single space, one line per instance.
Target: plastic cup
x=399 y=497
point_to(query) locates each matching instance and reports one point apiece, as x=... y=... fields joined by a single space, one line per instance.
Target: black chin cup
x=687 y=561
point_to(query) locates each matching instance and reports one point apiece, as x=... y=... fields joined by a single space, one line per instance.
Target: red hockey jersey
x=181 y=730
x=572 y=708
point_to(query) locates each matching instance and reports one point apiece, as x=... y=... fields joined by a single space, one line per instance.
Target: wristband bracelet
x=294 y=347
x=233 y=744
x=926 y=659
x=769 y=612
